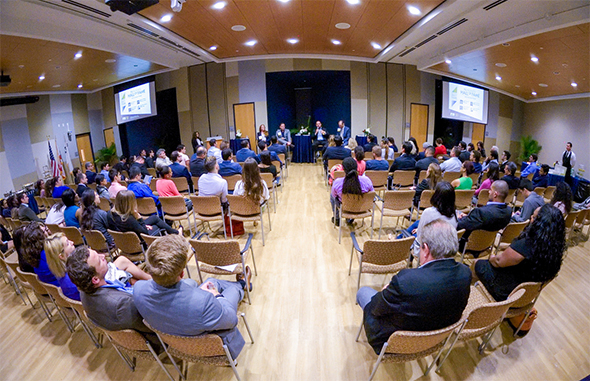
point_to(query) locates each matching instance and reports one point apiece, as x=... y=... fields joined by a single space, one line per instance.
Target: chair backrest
x=173 y=205
x=415 y=342
x=217 y=253
x=333 y=162
x=421 y=176
x=369 y=155
x=33 y=280
x=149 y=239
x=92 y=186
x=474 y=178
x=485 y=317
x=207 y=345
x=510 y=198
x=73 y=234
x=268 y=179
x=210 y=205
x=425 y=197
x=181 y=184
x=450 y=176
x=483 y=197
x=105 y=204
x=127 y=242
x=339 y=174
x=378 y=178
x=480 y=240
x=243 y=206
x=128 y=339
x=520 y=197
x=396 y=155
x=153 y=185
x=404 y=178
x=95 y=239
x=540 y=191
x=232 y=180
x=39 y=201
x=282 y=157
x=398 y=200
x=532 y=291
x=352 y=203
x=195 y=183
x=277 y=164
x=54 y=292
x=582 y=216
x=152 y=172
x=571 y=218
x=16 y=223
x=75 y=304
x=460 y=234
x=549 y=192
x=387 y=252
x=146 y=206
x=463 y=198
x=53 y=228
x=512 y=230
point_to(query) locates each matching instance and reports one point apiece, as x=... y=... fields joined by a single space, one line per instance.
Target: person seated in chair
x=430 y=297
x=371 y=142
x=338 y=152
x=352 y=183
x=276 y=147
x=25 y=213
x=262 y=146
x=212 y=184
x=228 y=167
x=167 y=188
x=406 y=161
x=82 y=182
x=378 y=163
x=541 y=179
x=509 y=171
x=320 y=138
x=178 y=169
x=245 y=152
x=138 y=187
x=190 y=309
x=197 y=163
x=532 y=201
x=453 y=164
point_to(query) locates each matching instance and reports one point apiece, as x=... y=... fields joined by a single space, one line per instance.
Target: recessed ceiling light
x=534 y=59
x=219 y=5
x=41 y=77
x=238 y=28
x=376 y=45
x=500 y=64
x=574 y=84
x=95 y=80
x=353 y=2
x=543 y=85
x=213 y=47
x=251 y=43
x=110 y=60
x=21 y=66
x=336 y=42
x=556 y=73
x=29 y=86
x=292 y=40
x=413 y=10
x=78 y=55
x=534 y=93
x=342 y=25
x=506 y=44
x=166 y=18
x=564 y=65
x=56 y=86
x=284 y=1
x=517 y=86
x=448 y=61
x=498 y=78
x=80 y=86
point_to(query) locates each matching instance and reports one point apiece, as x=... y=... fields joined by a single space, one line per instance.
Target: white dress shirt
x=212 y=184
x=451 y=165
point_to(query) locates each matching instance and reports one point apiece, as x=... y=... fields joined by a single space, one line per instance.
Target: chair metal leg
x=378 y=361
x=526 y=316
x=457 y=333
x=159 y=361
x=182 y=374
x=231 y=362
x=340 y=224
x=351 y=255
x=243 y=315
x=372 y=220
x=358 y=283
x=44 y=307
x=438 y=355
x=188 y=272
x=130 y=363
x=359 y=332
x=268 y=212
x=262 y=227
x=381 y=223
x=253 y=261
x=198 y=269
x=246 y=279
x=231 y=228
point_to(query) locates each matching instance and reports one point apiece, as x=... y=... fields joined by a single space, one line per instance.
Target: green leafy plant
x=528 y=145
x=106 y=155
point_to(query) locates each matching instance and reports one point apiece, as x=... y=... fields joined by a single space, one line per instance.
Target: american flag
x=56 y=167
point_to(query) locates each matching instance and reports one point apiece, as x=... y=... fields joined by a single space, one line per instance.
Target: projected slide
x=465 y=101
x=135 y=101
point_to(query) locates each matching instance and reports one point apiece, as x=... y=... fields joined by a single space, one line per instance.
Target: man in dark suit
x=90 y=174
x=140 y=163
x=320 y=138
x=228 y=167
x=337 y=152
x=430 y=297
x=246 y=152
x=179 y=170
x=406 y=161
x=343 y=131
x=493 y=216
x=464 y=156
x=422 y=164
x=82 y=182
x=198 y=161
x=371 y=142
x=276 y=147
x=509 y=171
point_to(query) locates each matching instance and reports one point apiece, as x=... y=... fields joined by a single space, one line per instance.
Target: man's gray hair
x=441 y=238
x=160 y=151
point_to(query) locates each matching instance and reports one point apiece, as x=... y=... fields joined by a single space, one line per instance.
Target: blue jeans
x=364 y=296
x=410 y=229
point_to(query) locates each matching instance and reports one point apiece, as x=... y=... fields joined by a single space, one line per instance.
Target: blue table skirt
x=236 y=144
x=361 y=140
x=554 y=179
x=302 y=152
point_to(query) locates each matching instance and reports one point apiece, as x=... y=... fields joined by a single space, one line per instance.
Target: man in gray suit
x=25 y=213
x=284 y=135
x=180 y=306
x=106 y=291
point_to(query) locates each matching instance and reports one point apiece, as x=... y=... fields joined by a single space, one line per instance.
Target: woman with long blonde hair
x=57 y=249
x=252 y=186
x=433 y=177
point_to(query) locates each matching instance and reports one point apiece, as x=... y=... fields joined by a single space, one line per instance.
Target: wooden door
x=85 y=152
x=109 y=137
x=419 y=123
x=478 y=133
x=245 y=121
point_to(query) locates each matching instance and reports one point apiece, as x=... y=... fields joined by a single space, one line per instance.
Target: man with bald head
x=495 y=215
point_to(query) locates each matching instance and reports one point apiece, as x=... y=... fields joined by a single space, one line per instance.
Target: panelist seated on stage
x=273 y=155
x=378 y=163
x=343 y=131
x=245 y=152
x=228 y=167
x=284 y=135
x=338 y=152
x=430 y=297
x=276 y=147
x=320 y=138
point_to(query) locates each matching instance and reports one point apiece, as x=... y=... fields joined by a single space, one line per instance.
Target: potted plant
x=528 y=146
x=106 y=155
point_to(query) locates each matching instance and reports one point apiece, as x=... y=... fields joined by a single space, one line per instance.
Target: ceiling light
x=506 y=44
x=574 y=84
x=353 y=2
x=80 y=86
x=41 y=77
x=110 y=60
x=534 y=59
x=543 y=85
x=292 y=40
x=251 y=43
x=413 y=10
x=166 y=18
x=376 y=45
x=336 y=42
x=219 y=5
x=342 y=25
x=78 y=55
x=498 y=78
x=21 y=66
x=213 y=47
x=500 y=64
x=448 y=61
x=56 y=86
x=534 y=93
x=284 y=1
x=517 y=86
x=95 y=80
x=238 y=28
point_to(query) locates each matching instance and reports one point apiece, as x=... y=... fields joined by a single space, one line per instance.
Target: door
x=85 y=152
x=245 y=121
x=109 y=137
x=478 y=133
x=419 y=123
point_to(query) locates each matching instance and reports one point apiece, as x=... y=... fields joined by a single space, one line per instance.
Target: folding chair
x=129 y=245
x=207 y=209
x=174 y=208
x=354 y=206
x=146 y=206
x=243 y=209
x=396 y=204
x=73 y=234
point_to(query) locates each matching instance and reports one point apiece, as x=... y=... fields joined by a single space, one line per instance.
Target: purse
x=526 y=326
x=236 y=226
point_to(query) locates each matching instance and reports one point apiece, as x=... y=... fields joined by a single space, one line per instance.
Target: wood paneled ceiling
x=271 y=23
x=563 y=58
x=26 y=59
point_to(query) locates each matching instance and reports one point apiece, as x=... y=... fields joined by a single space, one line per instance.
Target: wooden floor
x=304 y=318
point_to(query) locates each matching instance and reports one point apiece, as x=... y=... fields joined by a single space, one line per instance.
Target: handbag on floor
x=526 y=326
x=237 y=226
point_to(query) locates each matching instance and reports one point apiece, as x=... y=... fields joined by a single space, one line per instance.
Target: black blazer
x=338 y=152
x=422 y=299
x=488 y=217
x=404 y=162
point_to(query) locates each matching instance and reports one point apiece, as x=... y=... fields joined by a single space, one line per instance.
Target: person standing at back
x=568 y=160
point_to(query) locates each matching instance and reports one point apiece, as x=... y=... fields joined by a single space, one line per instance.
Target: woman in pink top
x=115 y=187
x=491 y=176
x=359 y=155
x=165 y=186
